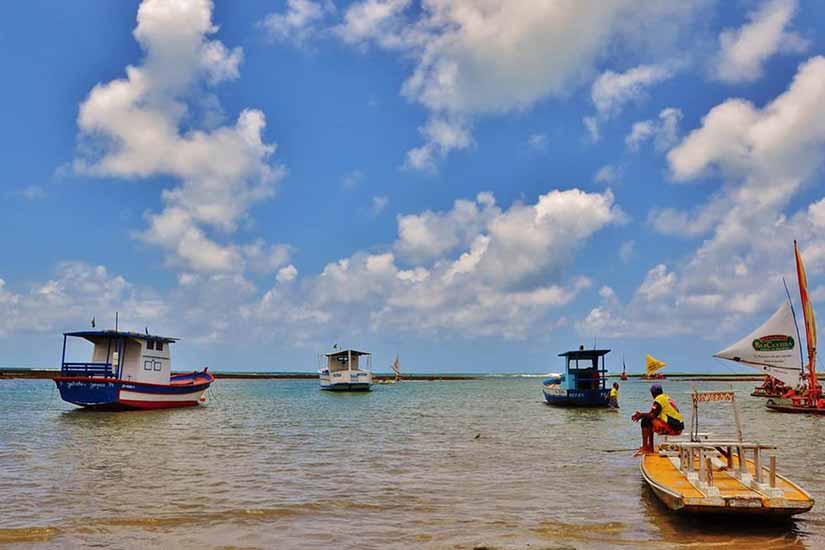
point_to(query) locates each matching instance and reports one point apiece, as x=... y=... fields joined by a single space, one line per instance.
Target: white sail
x=773 y=348
x=396 y=367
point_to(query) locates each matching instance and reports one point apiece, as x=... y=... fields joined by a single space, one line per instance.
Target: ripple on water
x=279 y=464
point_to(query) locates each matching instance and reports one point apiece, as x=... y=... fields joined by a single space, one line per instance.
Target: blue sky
x=477 y=185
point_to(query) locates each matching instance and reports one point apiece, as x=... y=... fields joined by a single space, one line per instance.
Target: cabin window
x=147 y=365
x=158 y=365
x=150 y=344
x=159 y=346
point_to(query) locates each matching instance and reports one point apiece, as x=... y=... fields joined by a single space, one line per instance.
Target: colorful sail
x=808 y=314
x=653 y=364
x=772 y=347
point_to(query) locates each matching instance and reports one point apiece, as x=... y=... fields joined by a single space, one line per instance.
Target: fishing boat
x=583 y=383
x=652 y=366
x=343 y=371
x=810 y=400
x=128 y=370
x=725 y=476
x=775 y=349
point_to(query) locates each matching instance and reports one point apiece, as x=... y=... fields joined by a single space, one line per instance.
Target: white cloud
x=626 y=251
x=428 y=235
x=379 y=204
x=134 y=128
x=743 y=51
x=671 y=221
x=607 y=174
x=301 y=20
x=763 y=157
x=664 y=132
x=537 y=142
x=33 y=192
x=658 y=283
x=77 y=293
x=611 y=90
x=474 y=58
x=286 y=274
x=353 y=179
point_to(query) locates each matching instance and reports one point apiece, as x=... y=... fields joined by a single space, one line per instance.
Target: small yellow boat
x=722 y=477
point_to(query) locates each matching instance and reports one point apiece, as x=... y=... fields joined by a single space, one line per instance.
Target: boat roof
x=348 y=352
x=119 y=334
x=584 y=353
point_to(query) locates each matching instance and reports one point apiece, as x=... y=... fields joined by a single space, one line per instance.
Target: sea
x=470 y=464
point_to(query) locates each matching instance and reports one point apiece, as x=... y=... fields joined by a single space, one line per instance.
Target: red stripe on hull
x=136 y=404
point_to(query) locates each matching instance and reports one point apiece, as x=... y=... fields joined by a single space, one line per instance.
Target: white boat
x=346 y=370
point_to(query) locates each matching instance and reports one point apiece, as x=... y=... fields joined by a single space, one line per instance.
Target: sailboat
x=810 y=402
x=623 y=376
x=653 y=365
x=773 y=347
x=396 y=368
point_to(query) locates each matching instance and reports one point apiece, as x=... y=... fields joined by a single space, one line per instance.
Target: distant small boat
x=343 y=371
x=652 y=366
x=583 y=383
x=623 y=376
x=128 y=370
x=771 y=387
x=721 y=477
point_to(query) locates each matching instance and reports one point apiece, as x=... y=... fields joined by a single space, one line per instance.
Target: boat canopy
x=91 y=334
x=347 y=352
x=581 y=354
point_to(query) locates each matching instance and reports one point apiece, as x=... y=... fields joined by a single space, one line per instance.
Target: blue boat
x=583 y=383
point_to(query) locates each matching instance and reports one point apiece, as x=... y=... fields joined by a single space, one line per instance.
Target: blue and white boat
x=346 y=370
x=128 y=370
x=583 y=383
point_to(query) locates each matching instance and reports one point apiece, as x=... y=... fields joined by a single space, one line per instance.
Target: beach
x=443 y=464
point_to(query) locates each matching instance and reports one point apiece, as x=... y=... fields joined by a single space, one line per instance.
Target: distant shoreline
x=48 y=374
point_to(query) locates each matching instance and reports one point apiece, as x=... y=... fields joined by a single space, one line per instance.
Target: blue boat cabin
x=583 y=383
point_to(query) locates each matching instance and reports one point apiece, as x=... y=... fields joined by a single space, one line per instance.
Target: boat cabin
x=129 y=356
x=348 y=359
x=583 y=369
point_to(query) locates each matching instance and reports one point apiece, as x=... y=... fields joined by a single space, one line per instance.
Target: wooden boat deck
x=678 y=492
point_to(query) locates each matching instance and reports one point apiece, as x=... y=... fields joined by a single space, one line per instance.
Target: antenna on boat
x=116 y=315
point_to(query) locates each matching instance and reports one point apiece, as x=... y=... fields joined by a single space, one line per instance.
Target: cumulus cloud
x=33 y=192
x=474 y=58
x=140 y=126
x=743 y=51
x=763 y=157
x=77 y=292
x=475 y=269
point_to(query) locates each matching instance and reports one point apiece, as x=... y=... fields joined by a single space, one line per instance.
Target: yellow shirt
x=667 y=408
x=614 y=392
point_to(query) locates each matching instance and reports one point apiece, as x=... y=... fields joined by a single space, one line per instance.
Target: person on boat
x=614 y=396
x=663 y=418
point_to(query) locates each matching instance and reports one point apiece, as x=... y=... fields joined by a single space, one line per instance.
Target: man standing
x=663 y=418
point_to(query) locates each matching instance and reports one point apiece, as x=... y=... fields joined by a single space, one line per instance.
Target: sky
x=475 y=185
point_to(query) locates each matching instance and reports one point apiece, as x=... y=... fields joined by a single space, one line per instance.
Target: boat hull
x=186 y=390
x=577 y=398
x=794 y=409
x=361 y=386
x=681 y=497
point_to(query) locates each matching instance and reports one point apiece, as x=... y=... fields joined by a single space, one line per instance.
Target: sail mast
x=810 y=325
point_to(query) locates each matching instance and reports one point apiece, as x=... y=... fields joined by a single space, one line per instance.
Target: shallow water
x=279 y=464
